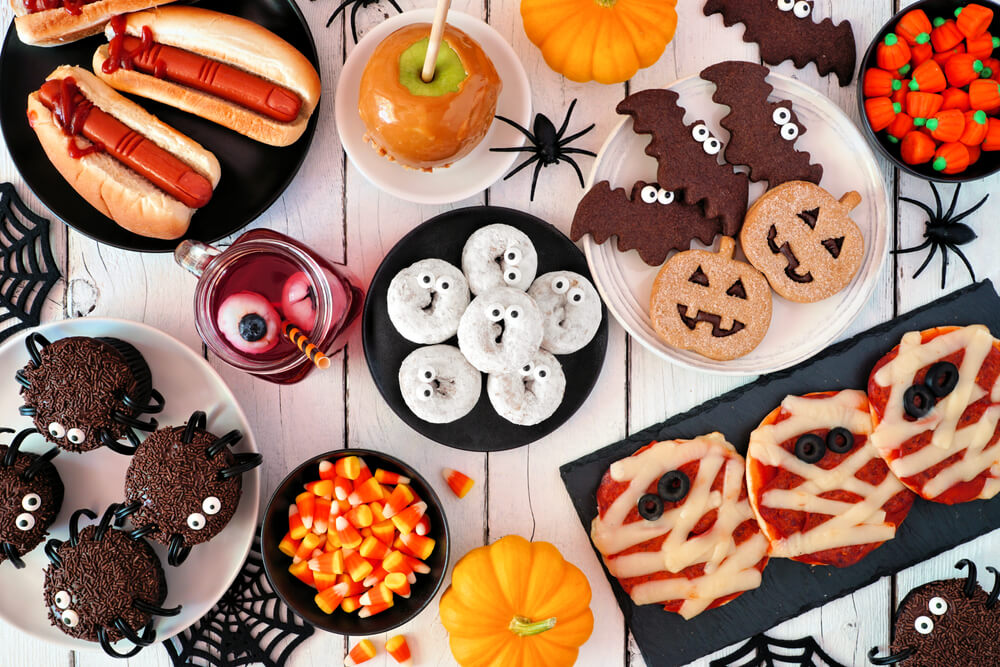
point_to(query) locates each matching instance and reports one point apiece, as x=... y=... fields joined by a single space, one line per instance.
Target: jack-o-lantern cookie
x=819 y=489
x=804 y=240
x=675 y=528
x=711 y=303
x=935 y=403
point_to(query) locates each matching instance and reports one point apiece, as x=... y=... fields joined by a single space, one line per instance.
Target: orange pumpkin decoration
x=984 y=94
x=956 y=98
x=923 y=106
x=976 y=127
x=947 y=126
x=893 y=53
x=945 y=36
x=920 y=54
x=973 y=20
x=901 y=126
x=880 y=83
x=952 y=158
x=881 y=111
x=991 y=67
x=929 y=78
x=992 y=140
x=982 y=46
x=917 y=148
x=962 y=69
x=601 y=40
x=915 y=27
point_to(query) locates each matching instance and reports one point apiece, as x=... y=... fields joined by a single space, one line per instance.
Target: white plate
x=476 y=171
x=798 y=331
x=96 y=479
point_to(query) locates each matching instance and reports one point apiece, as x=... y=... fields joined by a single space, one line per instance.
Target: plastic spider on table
x=945 y=231
x=548 y=145
x=355 y=6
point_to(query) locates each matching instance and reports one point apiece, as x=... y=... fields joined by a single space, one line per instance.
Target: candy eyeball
x=443 y=284
x=62 y=599
x=937 y=606
x=712 y=146
x=665 y=197
x=426 y=373
x=196 y=521
x=512 y=275
x=426 y=393
x=541 y=373
x=923 y=625
x=512 y=255
x=649 y=193
x=57 y=430
x=700 y=133
x=298 y=301
x=560 y=285
x=211 y=505
x=781 y=116
x=575 y=295
x=513 y=312
x=802 y=9
x=527 y=369
x=31 y=502
x=249 y=322
x=24 y=521
x=494 y=312
x=786 y=5
x=789 y=131
x=70 y=618
x=76 y=435
x=425 y=279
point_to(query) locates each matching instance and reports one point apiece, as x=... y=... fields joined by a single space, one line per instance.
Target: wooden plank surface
x=333 y=208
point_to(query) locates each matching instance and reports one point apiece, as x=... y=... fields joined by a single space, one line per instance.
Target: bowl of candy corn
x=929 y=90
x=355 y=542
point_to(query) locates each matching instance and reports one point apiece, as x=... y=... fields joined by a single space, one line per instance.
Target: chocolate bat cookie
x=762 y=133
x=687 y=156
x=784 y=31
x=651 y=221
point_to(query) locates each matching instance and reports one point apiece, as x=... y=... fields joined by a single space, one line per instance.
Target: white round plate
x=96 y=479
x=476 y=171
x=798 y=331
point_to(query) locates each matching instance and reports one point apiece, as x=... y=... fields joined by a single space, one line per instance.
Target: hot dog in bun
x=223 y=68
x=143 y=174
x=52 y=22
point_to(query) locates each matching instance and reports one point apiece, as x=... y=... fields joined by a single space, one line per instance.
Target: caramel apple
x=426 y=125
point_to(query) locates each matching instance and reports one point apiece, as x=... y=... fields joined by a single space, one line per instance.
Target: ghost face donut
x=438 y=384
x=531 y=394
x=426 y=301
x=571 y=310
x=498 y=256
x=501 y=330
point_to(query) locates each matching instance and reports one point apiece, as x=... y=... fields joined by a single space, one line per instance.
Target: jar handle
x=195 y=256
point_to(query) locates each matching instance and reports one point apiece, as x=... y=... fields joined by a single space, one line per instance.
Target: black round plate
x=443 y=237
x=253 y=174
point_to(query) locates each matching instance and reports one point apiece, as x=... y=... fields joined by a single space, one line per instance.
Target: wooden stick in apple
x=437 y=34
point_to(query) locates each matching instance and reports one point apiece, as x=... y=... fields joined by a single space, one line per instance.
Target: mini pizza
x=935 y=403
x=819 y=489
x=675 y=528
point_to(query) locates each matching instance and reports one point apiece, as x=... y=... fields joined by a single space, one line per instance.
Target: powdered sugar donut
x=438 y=384
x=426 y=301
x=498 y=256
x=501 y=330
x=571 y=309
x=531 y=394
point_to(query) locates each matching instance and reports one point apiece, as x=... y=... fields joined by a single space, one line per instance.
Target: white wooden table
x=332 y=207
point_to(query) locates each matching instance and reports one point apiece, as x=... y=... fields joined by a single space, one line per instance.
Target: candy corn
x=398 y=500
x=361 y=516
x=386 y=477
x=397 y=583
x=296 y=529
x=407 y=520
x=420 y=546
x=348 y=467
x=423 y=526
x=399 y=650
x=321 y=487
x=308 y=545
x=302 y=572
x=306 y=502
x=373 y=548
x=368 y=491
x=461 y=483
x=326 y=470
x=324 y=581
x=342 y=488
x=377 y=595
x=373 y=609
x=385 y=531
x=321 y=519
x=351 y=604
x=356 y=566
x=289 y=546
x=328 y=599
x=328 y=562
x=363 y=651
x=347 y=534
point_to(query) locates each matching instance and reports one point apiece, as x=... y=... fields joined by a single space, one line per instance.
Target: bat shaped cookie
x=762 y=133
x=687 y=158
x=651 y=221
x=785 y=31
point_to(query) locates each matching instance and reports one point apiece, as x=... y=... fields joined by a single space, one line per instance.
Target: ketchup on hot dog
x=198 y=72
x=74 y=7
x=76 y=115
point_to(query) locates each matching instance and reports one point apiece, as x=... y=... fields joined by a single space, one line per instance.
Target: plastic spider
x=548 y=146
x=355 y=6
x=945 y=231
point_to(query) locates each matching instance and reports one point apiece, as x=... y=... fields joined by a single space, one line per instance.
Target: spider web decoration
x=764 y=651
x=249 y=625
x=27 y=270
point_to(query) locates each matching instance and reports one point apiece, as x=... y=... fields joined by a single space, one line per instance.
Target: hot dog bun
x=51 y=27
x=234 y=41
x=108 y=185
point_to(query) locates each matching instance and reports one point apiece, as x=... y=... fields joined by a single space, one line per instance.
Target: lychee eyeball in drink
x=249 y=322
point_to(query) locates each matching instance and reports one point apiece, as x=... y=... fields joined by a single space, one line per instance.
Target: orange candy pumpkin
x=915 y=27
x=923 y=105
x=992 y=140
x=945 y=36
x=952 y=158
x=901 y=126
x=917 y=148
x=880 y=83
x=982 y=46
x=974 y=153
x=984 y=95
x=893 y=53
x=976 y=127
x=947 y=126
x=881 y=111
x=962 y=69
x=991 y=68
x=929 y=78
x=945 y=56
x=920 y=54
x=956 y=98
x=973 y=20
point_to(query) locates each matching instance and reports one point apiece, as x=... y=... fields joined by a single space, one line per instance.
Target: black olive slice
x=941 y=378
x=674 y=486
x=840 y=440
x=650 y=507
x=810 y=448
x=918 y=401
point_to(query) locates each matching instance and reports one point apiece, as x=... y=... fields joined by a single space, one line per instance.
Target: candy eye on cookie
x=703 y=136
x=425 y=279
x=801 y=9
x=654 y=194
x=782 y=117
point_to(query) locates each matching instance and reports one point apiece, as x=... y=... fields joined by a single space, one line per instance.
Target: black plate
x=253 y=174
x=790 y=588
x=443 y=237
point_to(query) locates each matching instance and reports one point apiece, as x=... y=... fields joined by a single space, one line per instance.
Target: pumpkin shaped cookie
x=804 y=241
x=711 y=303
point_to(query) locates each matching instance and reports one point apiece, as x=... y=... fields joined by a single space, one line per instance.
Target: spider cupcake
x=31 y=493
x=85 y=392
x=184 y=484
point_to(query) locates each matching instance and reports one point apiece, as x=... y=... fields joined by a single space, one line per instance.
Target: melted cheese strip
x=851 y=524
x=948 y=439
x=728 y=568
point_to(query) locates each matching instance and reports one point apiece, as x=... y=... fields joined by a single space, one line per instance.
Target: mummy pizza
x=531 y=394
x=438 y=384
x=31 y=494
x=426 y=301
x=819 y=489
x=935 y=403
x=501 y=330
x=499 y=256
x=571 y=310
x=675 y=528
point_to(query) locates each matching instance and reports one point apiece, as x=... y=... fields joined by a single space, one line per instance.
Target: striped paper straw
x=295 y=335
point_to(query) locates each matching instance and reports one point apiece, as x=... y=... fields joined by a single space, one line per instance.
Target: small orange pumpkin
x=952 y=158
x=881 y=112
x=917 y=148
x=915 y=27
x=982 y=46
x=923 y=106
x=893 y=53
x=947 y=126
x=880 y=83
x=992 y=140
x=900 y=127
x=946 y=35
x=973 y=20
x=962 y=69
x=602 y=40
x=928 y=77
x=956 y=98
x=976 y=127
x=984 y=94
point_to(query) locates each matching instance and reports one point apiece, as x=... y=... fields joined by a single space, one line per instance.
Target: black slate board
x=790 y=588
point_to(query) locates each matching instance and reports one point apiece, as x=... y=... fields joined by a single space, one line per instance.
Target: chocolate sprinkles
x=46 y=483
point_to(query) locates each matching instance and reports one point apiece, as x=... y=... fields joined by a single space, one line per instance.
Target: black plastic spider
x=355 y=6
x=945 y=232
x=548 y=146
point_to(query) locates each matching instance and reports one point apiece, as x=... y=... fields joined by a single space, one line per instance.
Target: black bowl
x=989 y=163
x=299 y=596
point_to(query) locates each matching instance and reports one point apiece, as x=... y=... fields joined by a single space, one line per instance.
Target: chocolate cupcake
x=105 y=584
x=184 y=484
x=87 y=392
x=31 y=494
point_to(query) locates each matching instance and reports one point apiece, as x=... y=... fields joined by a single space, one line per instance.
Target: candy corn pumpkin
x=973 y=20
x=917 y=148
x=945 y=36
x=915 y=27
x=976 y=127
x=881 y=112
x=892 y=53
x=984 y=95
x=947 y=126
x=952 y=158
x=929 y=78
